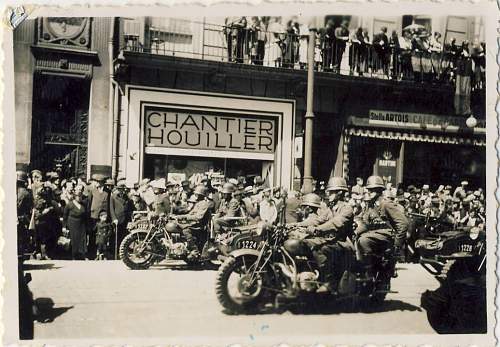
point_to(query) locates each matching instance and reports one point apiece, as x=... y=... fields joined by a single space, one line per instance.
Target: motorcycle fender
x=244 y=251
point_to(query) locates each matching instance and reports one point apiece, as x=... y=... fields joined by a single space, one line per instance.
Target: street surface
x=91 y=299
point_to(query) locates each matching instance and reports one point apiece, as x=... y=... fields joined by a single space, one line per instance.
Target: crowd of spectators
x=416 y=54
x=89 y=219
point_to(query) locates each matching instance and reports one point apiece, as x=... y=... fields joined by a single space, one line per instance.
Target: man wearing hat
x=230 y=209
x=194 y=222
x=381 y=226
x=358 y=188
x=120 y=211
x=97 y=201
x=24 y=208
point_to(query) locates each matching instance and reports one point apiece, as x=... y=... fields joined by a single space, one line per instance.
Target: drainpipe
x=112 y=107
x=307 y=186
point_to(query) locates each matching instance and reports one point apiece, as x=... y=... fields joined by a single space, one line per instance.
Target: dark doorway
x=60 y=124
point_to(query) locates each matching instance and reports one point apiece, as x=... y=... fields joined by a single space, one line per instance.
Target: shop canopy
x=406 y=136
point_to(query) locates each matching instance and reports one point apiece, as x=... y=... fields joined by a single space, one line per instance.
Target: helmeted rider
x=231 y=206
x=310 y=205
x=194 y=222
x=380 y=226
x=332 y=247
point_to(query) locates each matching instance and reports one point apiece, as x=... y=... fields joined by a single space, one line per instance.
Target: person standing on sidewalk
x=98 y=200
x=120 y=209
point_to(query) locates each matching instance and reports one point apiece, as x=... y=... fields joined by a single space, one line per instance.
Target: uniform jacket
x=384 y=215
x=198 y=215
x=339 y=225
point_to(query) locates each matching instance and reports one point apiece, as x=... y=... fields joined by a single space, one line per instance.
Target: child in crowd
x=103 y=233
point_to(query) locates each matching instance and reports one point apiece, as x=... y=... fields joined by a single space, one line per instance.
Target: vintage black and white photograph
x=257 y=178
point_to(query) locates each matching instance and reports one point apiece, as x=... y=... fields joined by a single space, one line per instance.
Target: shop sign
x=387 y=167
x=220 y=132
x=417 y=121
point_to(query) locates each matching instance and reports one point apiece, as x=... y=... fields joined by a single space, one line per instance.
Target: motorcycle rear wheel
x=131 y=253
x=251 y=294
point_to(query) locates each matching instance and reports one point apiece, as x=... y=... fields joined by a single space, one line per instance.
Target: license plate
x=248 y=244
x=465 y=247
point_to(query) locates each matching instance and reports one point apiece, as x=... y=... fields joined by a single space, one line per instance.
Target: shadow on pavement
x=185 y=267
x=335 y=307
x=43 y=266
x=46 y=312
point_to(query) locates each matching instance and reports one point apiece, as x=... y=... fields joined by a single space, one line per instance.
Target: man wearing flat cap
x=460 y=191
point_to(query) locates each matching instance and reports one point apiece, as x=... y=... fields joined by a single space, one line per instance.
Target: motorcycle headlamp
x=474 y=233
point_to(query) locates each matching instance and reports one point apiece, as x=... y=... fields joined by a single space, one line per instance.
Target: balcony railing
x=399 y=60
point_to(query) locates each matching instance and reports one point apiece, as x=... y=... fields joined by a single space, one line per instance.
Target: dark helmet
x=336 y=183
x=173 y=228
x=312 y=200
x=375 y=182
x=22 y=176
x=200 y=190
x=228 y=188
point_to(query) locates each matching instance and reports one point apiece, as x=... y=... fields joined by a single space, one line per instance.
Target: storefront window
x=159 y=166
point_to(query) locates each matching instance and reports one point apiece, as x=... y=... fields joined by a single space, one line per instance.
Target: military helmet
x=336 y=183
x=375 y=182
x=200 y=190
x=228 y=188
x=312 y=200
x=22 y=176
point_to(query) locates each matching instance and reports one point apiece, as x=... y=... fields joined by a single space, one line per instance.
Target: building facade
x=159 y=97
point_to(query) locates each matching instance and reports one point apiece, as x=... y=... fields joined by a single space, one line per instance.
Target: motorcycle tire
x=228 y=267
x=125 y=254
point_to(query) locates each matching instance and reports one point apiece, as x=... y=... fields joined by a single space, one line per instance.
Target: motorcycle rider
x=310 y=205
x=381 y=226
x=194 y=222
x=331 y=246
x=230 y=206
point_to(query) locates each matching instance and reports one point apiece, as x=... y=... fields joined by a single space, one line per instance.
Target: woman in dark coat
x=75 y=220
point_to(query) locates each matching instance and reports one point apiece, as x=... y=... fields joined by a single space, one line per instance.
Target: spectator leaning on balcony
x=257 y=41
x=273 y=53
x=328 y=45
x=436 y=48
x=405 y=47
x=395 y=51
x=381 y=47
x=235 y=33
x=290 y=56
x=303 y=44
x=341 y=34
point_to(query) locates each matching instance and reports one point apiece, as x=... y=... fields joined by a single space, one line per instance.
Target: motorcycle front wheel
x=135 y=253
x=239 y=288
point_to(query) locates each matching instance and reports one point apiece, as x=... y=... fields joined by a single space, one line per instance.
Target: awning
x=404 y=136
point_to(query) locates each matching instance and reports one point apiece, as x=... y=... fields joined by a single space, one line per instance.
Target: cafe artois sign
x=179 y=128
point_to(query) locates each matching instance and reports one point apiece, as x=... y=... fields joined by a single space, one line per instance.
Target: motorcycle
x=282 y=269
x=152 y=239
x=457 y=259
x=422 y=226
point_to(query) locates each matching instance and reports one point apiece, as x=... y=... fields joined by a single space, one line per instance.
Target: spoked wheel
x=135 y=253
x=239 y=288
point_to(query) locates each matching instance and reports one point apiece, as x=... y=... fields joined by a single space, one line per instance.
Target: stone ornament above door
x=73 y=32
